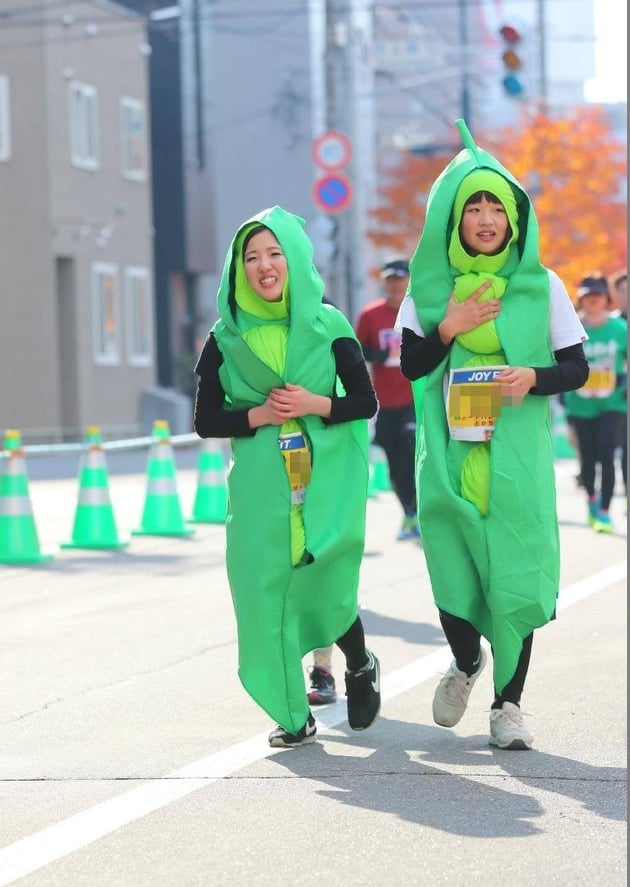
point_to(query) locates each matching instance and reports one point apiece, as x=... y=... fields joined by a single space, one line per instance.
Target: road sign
x=331 y=150
x=332 y=192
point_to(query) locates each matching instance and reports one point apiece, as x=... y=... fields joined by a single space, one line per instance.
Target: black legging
x=598 y=439
x=352 y=645
x=464 y=641
x=395 y=433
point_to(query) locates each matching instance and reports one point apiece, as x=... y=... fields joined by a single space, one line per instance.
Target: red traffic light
x=510 y=34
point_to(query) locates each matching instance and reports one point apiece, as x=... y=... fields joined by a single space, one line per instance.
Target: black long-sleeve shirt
x=213 y=419
x=419 y=356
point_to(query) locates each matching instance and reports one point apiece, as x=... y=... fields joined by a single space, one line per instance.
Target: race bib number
x=297 y=461
x=600 y=383
x=473 y=402
x=391 y=340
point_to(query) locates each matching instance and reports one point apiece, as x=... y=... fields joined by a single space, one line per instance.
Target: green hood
x=304 y=278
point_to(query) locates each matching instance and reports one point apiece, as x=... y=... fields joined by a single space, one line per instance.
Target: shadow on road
x=403 y=780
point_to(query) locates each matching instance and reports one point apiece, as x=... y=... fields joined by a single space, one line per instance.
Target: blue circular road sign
x=332 y=193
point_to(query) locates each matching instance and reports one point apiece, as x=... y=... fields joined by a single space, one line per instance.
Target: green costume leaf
x=498 y=570
x=284 y=611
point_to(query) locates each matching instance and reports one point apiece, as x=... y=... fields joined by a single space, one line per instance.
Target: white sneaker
x=507 y=729
x=451 y=695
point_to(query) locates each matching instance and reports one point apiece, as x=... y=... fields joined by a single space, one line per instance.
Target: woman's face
x=484 y=227
x=265 y=266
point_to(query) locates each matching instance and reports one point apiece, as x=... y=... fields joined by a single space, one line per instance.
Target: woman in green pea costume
x=283 y=376
x=480 y=297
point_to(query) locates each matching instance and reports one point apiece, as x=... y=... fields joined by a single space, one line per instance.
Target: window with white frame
x=105 y=313
x=84 y=135
x=133 y=127
x=5 y=119
x=138 y=316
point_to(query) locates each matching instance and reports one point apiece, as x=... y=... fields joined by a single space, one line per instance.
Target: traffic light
x=512 y=62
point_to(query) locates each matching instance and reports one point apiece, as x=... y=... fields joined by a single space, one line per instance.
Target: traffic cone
x=562 y=446
x=162 y=514
x=372 y=491
x=19 y=542
x=94 y=523
x=381 y=470
x=210 y=505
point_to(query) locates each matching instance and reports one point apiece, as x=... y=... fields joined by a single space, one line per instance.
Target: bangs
x=478 y=196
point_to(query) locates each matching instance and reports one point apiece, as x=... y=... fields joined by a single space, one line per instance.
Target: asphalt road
x=131 y=756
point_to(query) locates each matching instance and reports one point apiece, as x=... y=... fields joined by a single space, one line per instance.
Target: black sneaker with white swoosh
x=363 y=689
x=281 y=738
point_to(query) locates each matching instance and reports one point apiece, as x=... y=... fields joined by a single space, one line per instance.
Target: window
x=83 y=103
x=5 y=119
x=106 y=327
x=138 y=316
x=133 y=139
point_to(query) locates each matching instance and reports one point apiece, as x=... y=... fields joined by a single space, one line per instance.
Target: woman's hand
x=516 y=382
x=461 y=317
x=265 y=414
x=293 y=402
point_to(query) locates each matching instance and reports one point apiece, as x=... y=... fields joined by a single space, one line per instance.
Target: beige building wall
x=69 y=210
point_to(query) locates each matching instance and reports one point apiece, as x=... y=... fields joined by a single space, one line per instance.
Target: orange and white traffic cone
x=19 y=541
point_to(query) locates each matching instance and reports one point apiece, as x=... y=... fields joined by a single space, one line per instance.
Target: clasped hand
x=290 y=402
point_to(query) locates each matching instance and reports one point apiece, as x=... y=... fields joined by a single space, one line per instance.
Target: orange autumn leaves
x=574 y=170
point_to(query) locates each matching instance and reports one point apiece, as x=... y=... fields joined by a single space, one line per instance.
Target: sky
x=609 y=83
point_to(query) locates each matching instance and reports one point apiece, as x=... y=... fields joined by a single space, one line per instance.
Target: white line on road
x=41 y=848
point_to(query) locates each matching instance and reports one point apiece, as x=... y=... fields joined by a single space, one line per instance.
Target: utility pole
x=337 y=100
x=465 y=65
x=335 y=275
x=542 y=52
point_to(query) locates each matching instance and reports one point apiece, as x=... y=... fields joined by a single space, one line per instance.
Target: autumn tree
x=572 y=167
x=399 y=217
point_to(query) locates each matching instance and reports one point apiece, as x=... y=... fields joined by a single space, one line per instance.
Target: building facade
x=76 y=344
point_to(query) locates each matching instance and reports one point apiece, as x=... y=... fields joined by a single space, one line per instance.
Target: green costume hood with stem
x=498 y=569
x=283 y=610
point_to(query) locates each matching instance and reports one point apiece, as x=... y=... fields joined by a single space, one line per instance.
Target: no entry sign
x=332 y=193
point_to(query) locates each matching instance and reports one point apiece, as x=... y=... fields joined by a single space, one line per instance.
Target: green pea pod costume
x=488 y=511
x=283 y=609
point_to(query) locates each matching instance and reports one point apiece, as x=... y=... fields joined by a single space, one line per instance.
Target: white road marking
x=41 y=848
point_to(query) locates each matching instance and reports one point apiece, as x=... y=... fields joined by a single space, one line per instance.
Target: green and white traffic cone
x=19 y=541
x=372 y=491
x=381 y=469
x=562 y=446
x=94 y=522
x=210 y=505
x=162 y=513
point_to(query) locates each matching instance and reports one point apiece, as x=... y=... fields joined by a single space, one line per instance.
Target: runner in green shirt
x=597 y=410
